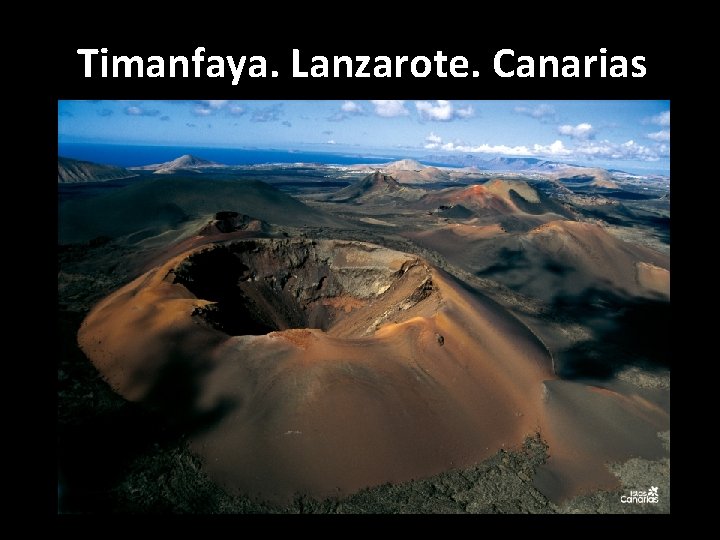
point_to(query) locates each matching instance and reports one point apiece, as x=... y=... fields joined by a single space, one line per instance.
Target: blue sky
x=622 y=134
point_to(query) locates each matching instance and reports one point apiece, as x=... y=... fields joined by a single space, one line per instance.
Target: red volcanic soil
x=475 y=197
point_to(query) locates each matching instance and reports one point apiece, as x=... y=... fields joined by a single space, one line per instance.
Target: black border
x=476 y=36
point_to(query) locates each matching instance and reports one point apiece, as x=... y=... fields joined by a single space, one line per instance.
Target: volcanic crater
x=319 y=366
x=259 y=286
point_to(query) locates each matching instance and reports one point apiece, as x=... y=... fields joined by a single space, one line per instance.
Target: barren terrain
x=431 y=342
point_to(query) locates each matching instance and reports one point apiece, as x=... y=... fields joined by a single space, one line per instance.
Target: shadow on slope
x=153 y=206
x=626 y=332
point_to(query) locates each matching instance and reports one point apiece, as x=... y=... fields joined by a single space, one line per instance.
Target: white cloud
x=495 y=149
x=442 y=110
x=587 y=149
x=210 y=107
x=540 y=112
x=435 y=142
x=660 y=136
x=216 y=103
x=629 y=150
x=662 y=119
x=134 y=110
x=271 y=113
x=433 y=138
x=389 y=108
x=347 y=109
x=331 y=141
x=351 y=107
x=581 y=131
x=466 y=112
x=554 y=149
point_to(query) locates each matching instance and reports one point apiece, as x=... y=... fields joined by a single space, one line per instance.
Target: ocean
x=129 y=156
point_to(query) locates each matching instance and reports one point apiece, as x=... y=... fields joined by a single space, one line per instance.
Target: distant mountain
x=409 y=171
x=521 y=164
x=404 y=165
x=183 y=163
x=72 y=171
x=498 y=163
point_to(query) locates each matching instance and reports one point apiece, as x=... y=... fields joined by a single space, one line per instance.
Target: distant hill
x=477 y=198
x=498 y=163
x=501 y=188
x=596 y=258
x=594 y=176
x=494 y=200
x=493 y=195
x=186 y=162
x=156 y=205
x=72 y=171
x=409 y=171
x=372 y=185
x=555 y=261
x=404 y=165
